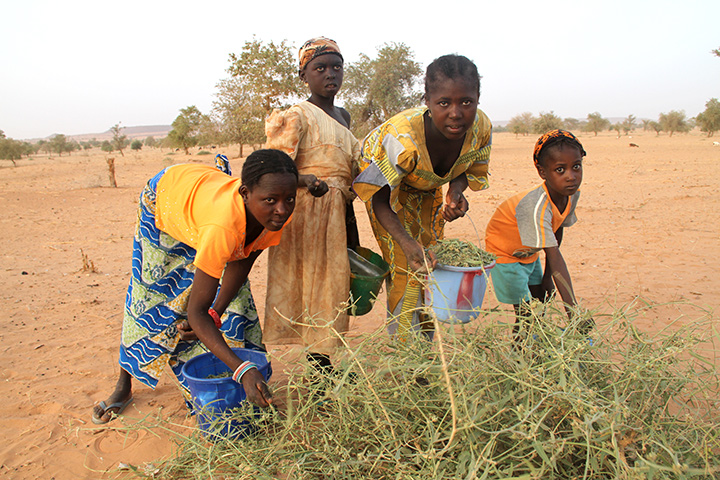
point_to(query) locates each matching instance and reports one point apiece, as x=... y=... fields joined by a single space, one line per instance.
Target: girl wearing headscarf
x=308 y=272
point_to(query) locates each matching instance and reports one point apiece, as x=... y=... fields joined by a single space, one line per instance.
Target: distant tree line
x=671 y=122
x=264 y=77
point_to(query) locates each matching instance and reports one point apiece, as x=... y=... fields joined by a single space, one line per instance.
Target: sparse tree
x=106 y=146
x=262 y=77
x=709 y=120
x=521 y=124
x=119 y=141
x=11 y=149
x=136 y=145
x=628 y=125
x=210 y=131
x=60 y=144
x=267 y=73
x=547 y=121
x=646 y=124
x=618 y=127
x=674 y=121
x=242 y=120
x=571 y=124
x=186 y=128
x=43 y=145
x=596 y=123
x=716 y=52
x=655 y=127
x=150 y=142
x=375 y=89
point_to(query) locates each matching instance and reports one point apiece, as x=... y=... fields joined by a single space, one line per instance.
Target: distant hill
x=141 y=132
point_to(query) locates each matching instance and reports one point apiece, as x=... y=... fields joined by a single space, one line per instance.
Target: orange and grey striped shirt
x=526 y=223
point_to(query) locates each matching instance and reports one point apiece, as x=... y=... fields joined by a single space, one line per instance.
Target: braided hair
x=262 y=162
x=453 y=67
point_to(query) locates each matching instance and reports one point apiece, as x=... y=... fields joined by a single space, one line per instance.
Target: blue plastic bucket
x=213 y=398
x=457 y=293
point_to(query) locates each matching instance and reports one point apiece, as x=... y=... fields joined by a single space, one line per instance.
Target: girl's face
x=272 y=200
x=453 y=105
x=562 y=171
x=324 y=75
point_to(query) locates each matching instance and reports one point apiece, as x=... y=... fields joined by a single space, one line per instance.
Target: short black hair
x=560 y=143
x=453 y=67
x=262 y=162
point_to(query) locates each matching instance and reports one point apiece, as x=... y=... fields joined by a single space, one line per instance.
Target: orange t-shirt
x=202 y=207
x=526 y=223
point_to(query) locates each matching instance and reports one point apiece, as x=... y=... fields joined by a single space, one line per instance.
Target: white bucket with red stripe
x=456 y=293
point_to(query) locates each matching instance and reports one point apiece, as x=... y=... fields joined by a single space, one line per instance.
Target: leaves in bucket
x=459 y=253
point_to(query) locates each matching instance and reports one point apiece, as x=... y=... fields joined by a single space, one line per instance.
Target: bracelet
x=241 y=370
x=215 y=317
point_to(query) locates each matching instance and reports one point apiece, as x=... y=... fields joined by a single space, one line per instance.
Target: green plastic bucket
x=368 y=271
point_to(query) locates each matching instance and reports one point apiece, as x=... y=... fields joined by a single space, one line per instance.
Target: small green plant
x=204 y=152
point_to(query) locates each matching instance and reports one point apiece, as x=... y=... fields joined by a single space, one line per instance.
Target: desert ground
x=648 y=228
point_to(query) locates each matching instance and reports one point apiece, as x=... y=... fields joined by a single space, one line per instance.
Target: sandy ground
x=648 y=226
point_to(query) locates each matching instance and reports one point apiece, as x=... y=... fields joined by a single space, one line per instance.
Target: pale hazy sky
x=77 y=66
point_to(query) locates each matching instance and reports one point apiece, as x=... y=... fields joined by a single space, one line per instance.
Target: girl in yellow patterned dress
x=406 y=161
x=308 y=272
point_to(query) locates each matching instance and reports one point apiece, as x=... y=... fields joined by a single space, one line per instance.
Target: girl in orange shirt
x=198 y=226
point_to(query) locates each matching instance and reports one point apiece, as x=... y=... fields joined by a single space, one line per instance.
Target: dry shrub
x=626 y=404
x=88 y=266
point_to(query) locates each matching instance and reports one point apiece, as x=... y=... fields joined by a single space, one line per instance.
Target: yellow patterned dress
x=309 y=272
x=395 y=154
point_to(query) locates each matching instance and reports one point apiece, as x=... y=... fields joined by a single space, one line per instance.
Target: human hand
x=456 y=205
x=256 y=389
x=186 y=331
x=548 y=289
x=419 y=260
x=315 y=186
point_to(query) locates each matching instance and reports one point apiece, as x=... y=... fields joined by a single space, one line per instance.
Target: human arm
x=548 y=285
x=557 y=270
x=456 y=205
x=414 y=250
x=346 y=116
x=234 y=277
x=201 y=299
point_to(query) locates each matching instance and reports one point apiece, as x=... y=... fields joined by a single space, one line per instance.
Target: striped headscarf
x=549 y=138
x=314 y=48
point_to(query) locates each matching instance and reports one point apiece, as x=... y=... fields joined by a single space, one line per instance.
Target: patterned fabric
x=308 y=306
x=314 y=48
x=157 y=299
x=526 y=223
x=395 y=154
x=548 y=138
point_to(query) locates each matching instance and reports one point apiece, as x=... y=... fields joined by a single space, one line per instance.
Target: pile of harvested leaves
x=459 y=253
x=468 y=405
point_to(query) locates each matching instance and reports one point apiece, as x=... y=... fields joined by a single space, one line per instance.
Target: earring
x=429 y=114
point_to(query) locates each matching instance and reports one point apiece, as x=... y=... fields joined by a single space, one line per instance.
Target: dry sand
x=648 y=226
